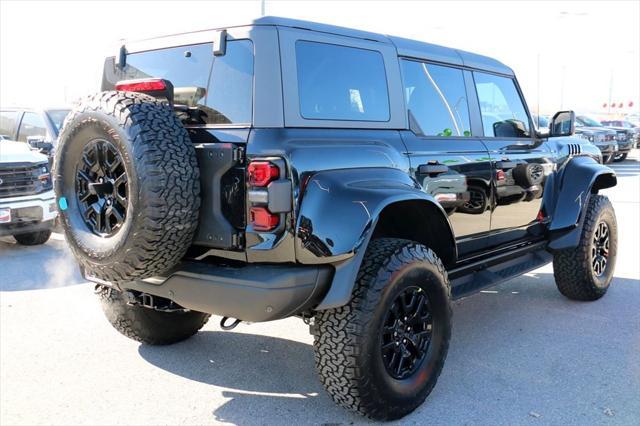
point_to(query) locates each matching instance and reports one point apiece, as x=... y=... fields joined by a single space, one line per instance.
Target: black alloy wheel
x=102 y=188
x=600 y=249
x=406 y=333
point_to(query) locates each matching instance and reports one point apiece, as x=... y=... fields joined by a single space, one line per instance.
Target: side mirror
x=563 y=123
x=38 y=143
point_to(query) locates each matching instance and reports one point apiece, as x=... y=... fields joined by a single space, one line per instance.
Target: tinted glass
x=503 y=113
x=8 y=123
x=341 y=83
x=32 y=124
x=436 y=99
x=588 y=121
x=57 y=117
x=221 y=87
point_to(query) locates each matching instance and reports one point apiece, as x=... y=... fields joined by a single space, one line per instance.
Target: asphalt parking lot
x=520 y=354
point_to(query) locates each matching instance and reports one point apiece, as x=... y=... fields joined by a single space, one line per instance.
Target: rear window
x=7 y=123
x=221 y=87
x=341 y=83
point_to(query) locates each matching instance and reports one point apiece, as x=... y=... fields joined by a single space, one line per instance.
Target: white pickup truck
x=27 y=203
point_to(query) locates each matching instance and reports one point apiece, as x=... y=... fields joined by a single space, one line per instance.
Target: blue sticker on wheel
x=62 y=203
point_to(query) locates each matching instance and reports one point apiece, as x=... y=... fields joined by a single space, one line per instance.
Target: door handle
x=432 y=169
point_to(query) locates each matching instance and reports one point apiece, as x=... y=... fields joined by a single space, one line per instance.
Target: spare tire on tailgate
x=127 y=184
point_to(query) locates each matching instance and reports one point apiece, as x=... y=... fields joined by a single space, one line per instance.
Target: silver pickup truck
x=27 y=203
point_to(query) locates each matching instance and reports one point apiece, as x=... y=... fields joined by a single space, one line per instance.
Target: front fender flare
x=567 y=195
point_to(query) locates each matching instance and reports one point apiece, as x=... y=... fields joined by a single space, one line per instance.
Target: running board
x=472 y=277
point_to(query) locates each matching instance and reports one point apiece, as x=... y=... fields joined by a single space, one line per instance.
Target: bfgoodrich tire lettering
x=162 y=185
x=578 y=274
x=348 y=340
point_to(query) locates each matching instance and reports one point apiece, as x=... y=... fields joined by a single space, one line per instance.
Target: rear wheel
x=606 y=159
x=147 y=325
x=585 y=272
x=382 y=353
x=33 y=238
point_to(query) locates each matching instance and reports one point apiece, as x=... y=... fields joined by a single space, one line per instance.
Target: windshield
x=57 y=117
x=588 y=121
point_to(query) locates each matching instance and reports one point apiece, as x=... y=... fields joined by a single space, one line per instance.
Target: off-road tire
x=146 y=325
x=163 y=193
x=346 y=339
x=33 y=238
x=572 y=268
x=620 y=157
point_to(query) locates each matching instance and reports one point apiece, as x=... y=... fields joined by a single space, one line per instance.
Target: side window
x=221 y=87
x=341 y=83
x=32 y=124
x=7 y=123
x=436 y=99
x=503 y=113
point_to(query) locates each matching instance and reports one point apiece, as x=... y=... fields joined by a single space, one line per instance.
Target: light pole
x=263 y=6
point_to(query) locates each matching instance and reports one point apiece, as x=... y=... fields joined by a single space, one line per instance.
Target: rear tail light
x=500 y=175
x=263 y=220
x=262 y=173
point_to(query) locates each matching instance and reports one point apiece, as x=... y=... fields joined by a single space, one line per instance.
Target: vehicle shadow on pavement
x=37 y=267
x=519 y=347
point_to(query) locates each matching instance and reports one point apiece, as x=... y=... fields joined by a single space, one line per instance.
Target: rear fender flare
x=338 y=214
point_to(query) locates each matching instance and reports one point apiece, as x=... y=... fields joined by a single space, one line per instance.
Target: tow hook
x=231 y=326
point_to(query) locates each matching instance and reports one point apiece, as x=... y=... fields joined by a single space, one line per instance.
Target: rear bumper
x=255 y=292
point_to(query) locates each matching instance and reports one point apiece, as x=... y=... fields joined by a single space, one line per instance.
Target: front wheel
x=381 y=354
x=585 y=272
x=620 y=157
x=33 y=238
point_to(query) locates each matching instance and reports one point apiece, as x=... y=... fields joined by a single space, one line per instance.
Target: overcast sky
x=52 y=52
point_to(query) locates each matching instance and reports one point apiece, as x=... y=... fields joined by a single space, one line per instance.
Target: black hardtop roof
x=404 y=46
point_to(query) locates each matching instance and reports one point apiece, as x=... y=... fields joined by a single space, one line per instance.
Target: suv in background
x=27 y=203
x=37 y=127
x=624 y=124
x=624 y=137
x=358 y=181
x=600 y=136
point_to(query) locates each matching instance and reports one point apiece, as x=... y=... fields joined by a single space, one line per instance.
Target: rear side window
x=221 y=87
x=8 y=123
x=503 y=113
x=341 y=83
x=436 y=99
x=32 y=124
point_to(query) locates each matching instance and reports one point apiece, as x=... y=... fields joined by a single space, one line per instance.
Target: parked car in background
x=541 y=122
x=27 y=203
x=624 y=137
x=37 y=127
x=625 y=124
x=603 y=138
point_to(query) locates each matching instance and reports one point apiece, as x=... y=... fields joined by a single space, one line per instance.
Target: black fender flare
x=567 y=194
x=338 y=213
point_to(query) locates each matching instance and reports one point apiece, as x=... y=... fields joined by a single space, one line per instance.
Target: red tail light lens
x=263 y=220
x=500 y=175
x=261 y=173
x=141 y=85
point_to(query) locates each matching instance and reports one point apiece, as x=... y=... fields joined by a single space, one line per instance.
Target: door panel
x=457 y=172
x=519 y=162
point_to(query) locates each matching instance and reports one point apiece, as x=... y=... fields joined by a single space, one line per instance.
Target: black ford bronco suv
x=358 y=181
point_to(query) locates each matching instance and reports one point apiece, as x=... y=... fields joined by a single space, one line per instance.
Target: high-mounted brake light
x=261 y=173
x=141 y=85
x=263 y=220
